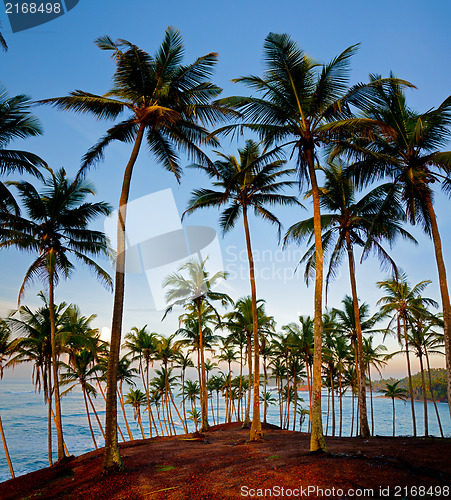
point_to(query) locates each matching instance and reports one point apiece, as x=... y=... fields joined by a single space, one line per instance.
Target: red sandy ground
x=222 y=465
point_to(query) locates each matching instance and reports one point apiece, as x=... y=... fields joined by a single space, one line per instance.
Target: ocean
x=24 y=417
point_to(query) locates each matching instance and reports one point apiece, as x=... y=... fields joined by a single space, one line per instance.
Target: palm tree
x=5 y=351
x=183 y=361
x=57 y=229
x=192 y=392
x=393 y=391
x=168 y=103
x=373 y=357
x=33 y=344
x=143 y=346
x=251 y=182
x=404 y=302
x=196 y=290
x=83 y=371
x=16 y=122
x=410 y=155
x=136 y=398
x=304 y=105
x=366 y=223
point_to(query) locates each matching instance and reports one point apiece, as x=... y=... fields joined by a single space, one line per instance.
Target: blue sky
x=411 y=38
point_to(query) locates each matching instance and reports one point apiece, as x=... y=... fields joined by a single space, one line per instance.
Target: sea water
x=24 y=417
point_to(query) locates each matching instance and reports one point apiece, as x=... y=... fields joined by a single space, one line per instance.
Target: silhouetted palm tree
x=57 y=230
x=393 y=391
x=168 y=104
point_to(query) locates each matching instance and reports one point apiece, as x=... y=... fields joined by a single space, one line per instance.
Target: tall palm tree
x=5 y=351
x=56 y=229
x=393 y=391
x=251 y=182
x=411 y=156
x=366 y=223
x=404 y=302
x=143 y=347
x=16 y=122
x=195 y=290
x=304 y=105
x=168 y=104
x=82 y=370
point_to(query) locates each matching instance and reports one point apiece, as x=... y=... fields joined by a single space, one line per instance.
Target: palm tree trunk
x=409 y=373
x=89 y=418
x=49 y=422
x=444 y=294
x=425 y=403
x=341 y=404
x=240 y=411
x=112 y=459
x=393 y=400
x=203 y=389
x=183 y=399
x=256 y=426
x=352 y=404
x=432 y=393
x=364 y=428
x=140 y=423
x=59 y=425
x=146 y=387
x=121 y=400
x=5 y=447
x=247 y=418
x=317 y=441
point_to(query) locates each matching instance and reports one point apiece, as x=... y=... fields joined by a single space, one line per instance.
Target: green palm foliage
x=393 y=391
x=16 y=122
x=195 y=291
x=411 y=156
x=251 y=182
x=168 y=106
x=57 y=230
x=304 y=105
x=242 y=320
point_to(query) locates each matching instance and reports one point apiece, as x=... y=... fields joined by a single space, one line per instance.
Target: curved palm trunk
x=138 y=412
x=317 y=441
x=364 y=428
x=444 y=294
x=333 y=403
x=432 y=393
x=423 y=386
x=59 y=425
x=112 y=459
x=146 y=387
x=89 y=418
x=5 y=447
x=183 y=399
x=256 y=426
x=409 y=373
x=203 y=389
x=121 y=400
